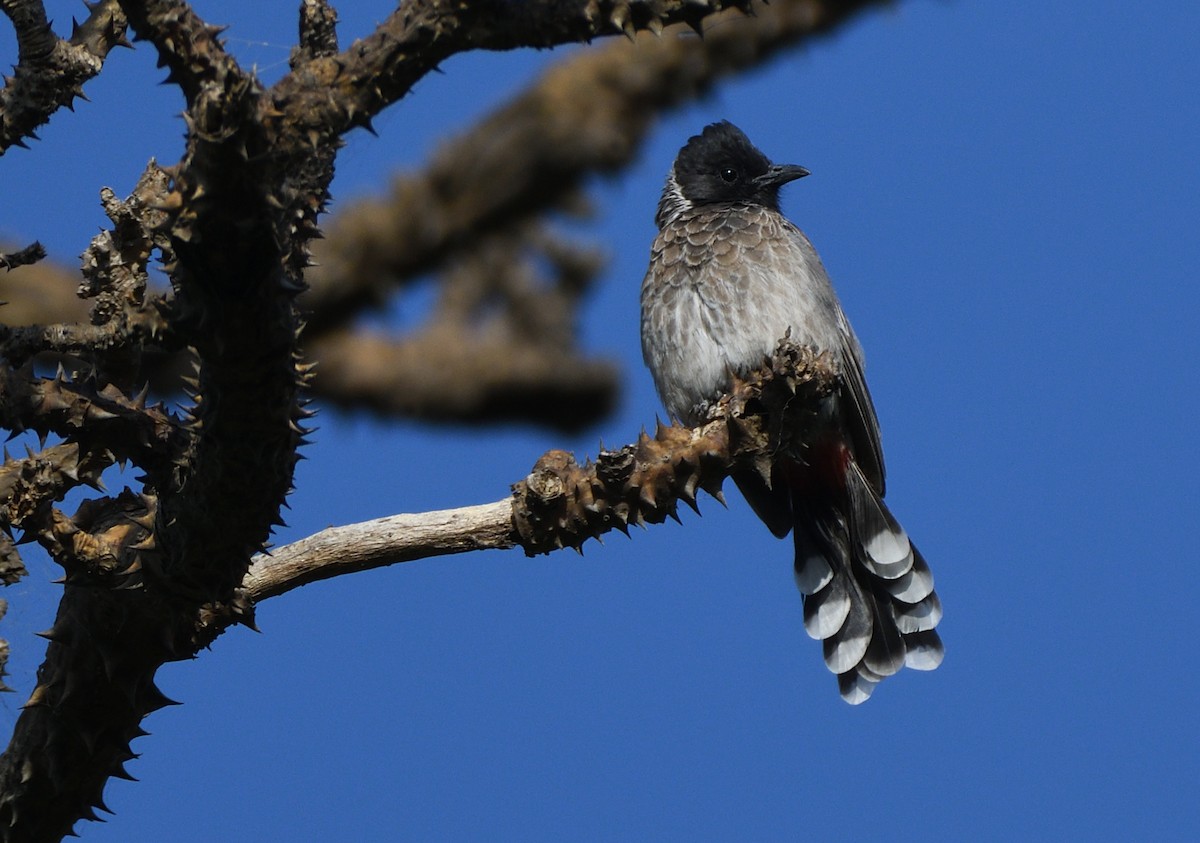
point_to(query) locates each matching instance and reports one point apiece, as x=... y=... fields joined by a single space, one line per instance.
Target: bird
x=729 y=278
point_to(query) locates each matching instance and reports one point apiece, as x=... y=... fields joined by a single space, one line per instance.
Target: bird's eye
x=729 y=174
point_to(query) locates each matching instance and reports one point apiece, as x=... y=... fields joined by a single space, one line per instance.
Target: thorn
x=762 y=464
x=120 y=772
x=364 y=122
x=96 y=413
x=646 y=495
x=154 y=699
x=621 y=21
x=691 y=501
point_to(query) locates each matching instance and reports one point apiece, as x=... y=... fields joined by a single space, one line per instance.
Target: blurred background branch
x=501 y=342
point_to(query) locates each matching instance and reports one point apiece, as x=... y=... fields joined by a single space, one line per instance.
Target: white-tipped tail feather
x=868 y=593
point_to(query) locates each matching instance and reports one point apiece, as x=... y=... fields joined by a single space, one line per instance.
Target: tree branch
x=142 y=568
x=378 y=543
x=19 y=344
x=440 y=375
x=99 y=417
x=187 y=46
x=28 y=256
x=50 y=72
x=587 y=114
x=563 y=504
x=337 y=93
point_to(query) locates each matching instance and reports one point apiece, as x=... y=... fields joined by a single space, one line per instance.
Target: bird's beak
x=780 y=174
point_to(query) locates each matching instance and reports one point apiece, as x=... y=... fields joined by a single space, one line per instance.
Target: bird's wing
x=819 y=302
x=859 y=410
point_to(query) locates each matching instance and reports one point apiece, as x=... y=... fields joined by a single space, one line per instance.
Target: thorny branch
x=28 y=256
x=588 y=114
x=51 y=71
x=154 y=575
x=563 y=503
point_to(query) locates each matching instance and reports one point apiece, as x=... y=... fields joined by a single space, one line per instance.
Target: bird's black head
x=720 y=165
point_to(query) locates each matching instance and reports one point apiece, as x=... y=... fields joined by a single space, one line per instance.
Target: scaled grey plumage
x=729 y=277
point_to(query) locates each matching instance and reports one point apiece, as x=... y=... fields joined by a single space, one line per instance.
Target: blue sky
x=1006 y=197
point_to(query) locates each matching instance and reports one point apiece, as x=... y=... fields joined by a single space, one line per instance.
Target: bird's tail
x=868 y=593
